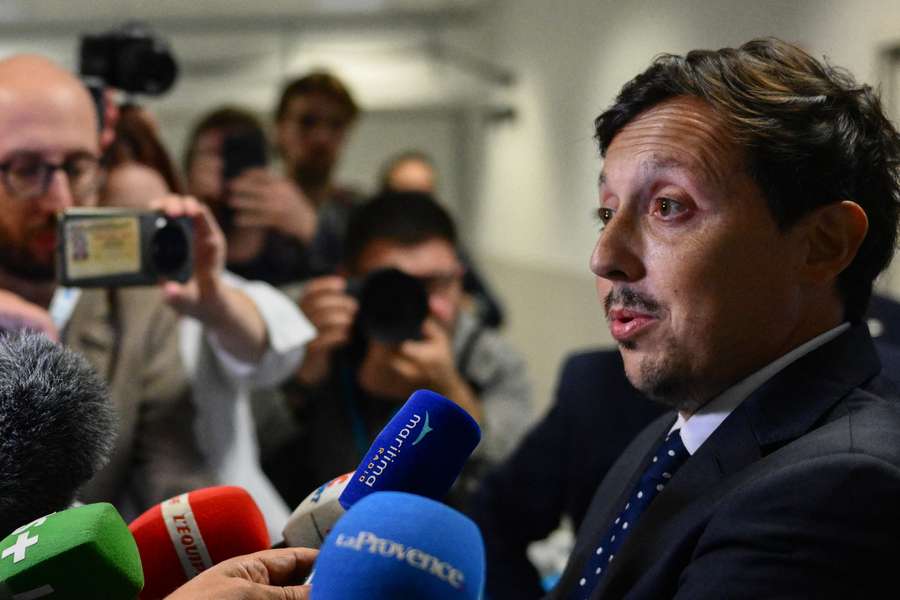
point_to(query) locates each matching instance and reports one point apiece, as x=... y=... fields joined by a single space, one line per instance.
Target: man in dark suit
x=555 y=471
x=749 y=198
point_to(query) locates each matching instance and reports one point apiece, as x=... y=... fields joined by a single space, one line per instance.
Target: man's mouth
x=625 y=324
x=45 y=240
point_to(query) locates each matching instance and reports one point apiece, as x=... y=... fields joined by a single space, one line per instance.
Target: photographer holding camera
x=383 y=334
x=235 y=334
x=49 y=162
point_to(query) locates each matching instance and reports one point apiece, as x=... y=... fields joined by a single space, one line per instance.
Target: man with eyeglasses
x=343 y=393
x=49 y=162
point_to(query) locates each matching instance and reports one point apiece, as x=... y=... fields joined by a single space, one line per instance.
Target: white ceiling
x=66 y=12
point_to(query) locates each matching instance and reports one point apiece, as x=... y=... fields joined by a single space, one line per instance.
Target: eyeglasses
x=440 y=283
x=27 y=176
x=308 y=121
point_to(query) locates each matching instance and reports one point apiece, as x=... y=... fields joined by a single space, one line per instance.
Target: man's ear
x=834 y=234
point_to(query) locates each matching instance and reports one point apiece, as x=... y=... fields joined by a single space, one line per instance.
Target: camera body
x=131 y=58
x=392 y=306
x=111 y=247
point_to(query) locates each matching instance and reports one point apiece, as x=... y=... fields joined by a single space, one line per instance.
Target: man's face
x=54 y=124
x=699 y=284
x=311 y=135
x=434 y=261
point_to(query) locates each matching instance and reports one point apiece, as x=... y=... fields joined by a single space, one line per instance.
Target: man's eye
x=668 y=208
x=604 y=215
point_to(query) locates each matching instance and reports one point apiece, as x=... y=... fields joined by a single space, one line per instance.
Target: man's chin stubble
x=661 y=382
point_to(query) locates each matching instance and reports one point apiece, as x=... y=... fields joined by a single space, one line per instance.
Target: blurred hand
x=261 y=198
x=396 y=371
x=331 y=310
x=270 y=574
x=201 y=296
x=17 y=314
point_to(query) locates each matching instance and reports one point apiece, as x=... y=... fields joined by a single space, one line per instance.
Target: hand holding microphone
x=266 y=575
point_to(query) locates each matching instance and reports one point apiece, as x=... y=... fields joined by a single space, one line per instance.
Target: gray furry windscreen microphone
x=57 y=427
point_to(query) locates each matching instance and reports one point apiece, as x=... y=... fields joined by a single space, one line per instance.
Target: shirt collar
x=697 y=428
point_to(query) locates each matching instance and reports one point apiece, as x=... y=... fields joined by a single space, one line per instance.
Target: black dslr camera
x=131 y=58
x=110 y=247
x=392 y=306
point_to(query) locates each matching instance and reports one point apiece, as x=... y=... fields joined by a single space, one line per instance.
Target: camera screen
x=102 y=247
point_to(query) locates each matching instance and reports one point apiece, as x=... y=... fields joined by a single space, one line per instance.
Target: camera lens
x=169 y=248
x=392 y=306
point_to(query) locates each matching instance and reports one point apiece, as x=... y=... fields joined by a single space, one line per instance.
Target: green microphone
x=83 y=552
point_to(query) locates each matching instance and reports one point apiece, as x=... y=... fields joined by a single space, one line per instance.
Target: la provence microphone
x=397 y=545
x=421 y=450
x=84 y=552
x=187 y=534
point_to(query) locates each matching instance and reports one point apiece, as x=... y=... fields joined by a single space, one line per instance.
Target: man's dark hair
x=57 y=427
x=810 y=135
x=404 y=218
x=318 y=82
x=228 y=119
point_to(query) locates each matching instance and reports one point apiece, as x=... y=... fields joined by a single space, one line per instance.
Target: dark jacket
x=796 y=494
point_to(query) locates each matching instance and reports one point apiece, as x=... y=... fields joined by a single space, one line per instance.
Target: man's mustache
x=629 y=299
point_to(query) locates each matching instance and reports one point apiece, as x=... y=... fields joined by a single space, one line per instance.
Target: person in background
x=270 y=326
x=411 y=171
x=281 y=228
x=272 y=252
x=313 y=119
x=50 y=161
x=415 y=171
x=348 y=385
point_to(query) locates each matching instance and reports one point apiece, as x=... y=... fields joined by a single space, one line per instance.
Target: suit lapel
x=781 y=410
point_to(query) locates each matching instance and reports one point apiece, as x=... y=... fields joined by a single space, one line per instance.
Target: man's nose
x=58 y=195
x=618 y=253
x=440 y=307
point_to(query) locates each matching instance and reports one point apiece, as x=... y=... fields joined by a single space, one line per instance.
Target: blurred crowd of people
x=281 y=251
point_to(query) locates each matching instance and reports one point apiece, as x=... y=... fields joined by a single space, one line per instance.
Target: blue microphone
x=397 y=545
x=421 y=450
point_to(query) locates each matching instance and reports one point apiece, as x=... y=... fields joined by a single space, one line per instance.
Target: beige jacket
x=131 y=337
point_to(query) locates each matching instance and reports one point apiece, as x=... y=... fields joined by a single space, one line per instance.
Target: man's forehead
x=679 y=134
x=55 y=112
x=316 y=103
x=431 y=255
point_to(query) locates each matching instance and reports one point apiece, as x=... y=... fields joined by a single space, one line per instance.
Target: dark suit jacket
x=556 y=468
x=796 y=494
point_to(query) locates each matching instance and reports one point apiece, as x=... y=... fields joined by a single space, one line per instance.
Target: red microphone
x=185 y=535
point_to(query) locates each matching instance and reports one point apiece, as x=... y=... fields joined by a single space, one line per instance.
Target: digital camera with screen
x=112 y=247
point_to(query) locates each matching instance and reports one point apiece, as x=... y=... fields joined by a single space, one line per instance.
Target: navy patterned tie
x=670 y=455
